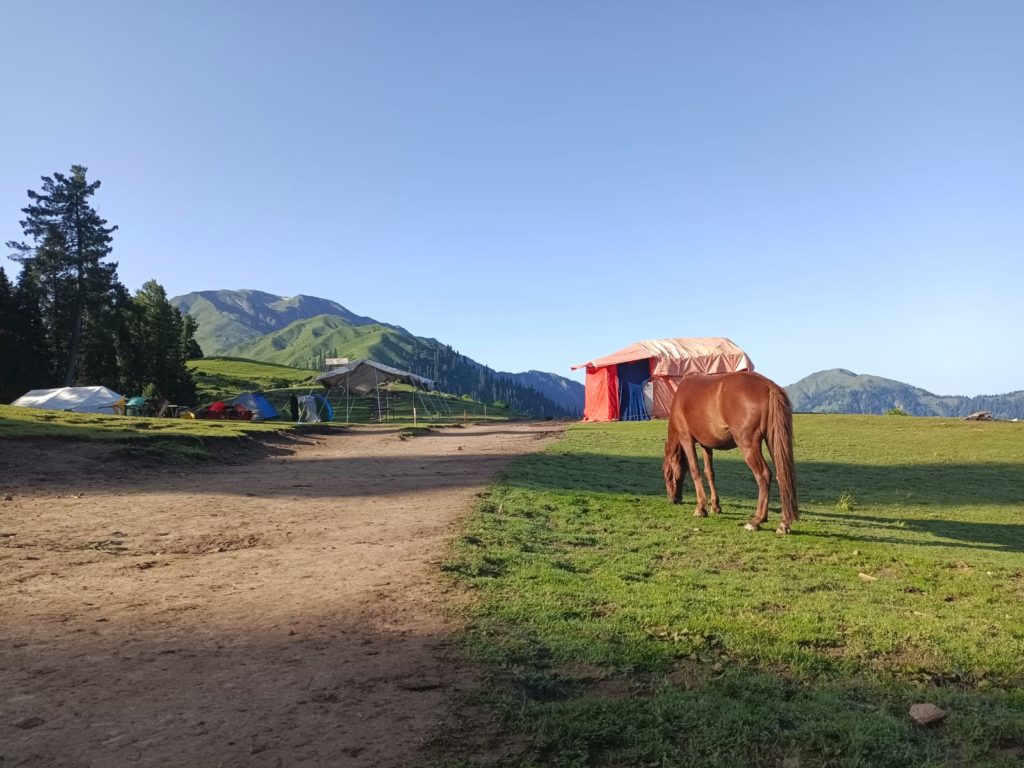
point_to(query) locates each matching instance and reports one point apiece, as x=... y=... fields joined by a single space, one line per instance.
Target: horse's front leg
x=763 y=476
x=709 y=473
x=674 y=472
x=701 y=509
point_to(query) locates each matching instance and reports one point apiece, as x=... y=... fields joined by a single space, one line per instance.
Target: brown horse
x=732 y=410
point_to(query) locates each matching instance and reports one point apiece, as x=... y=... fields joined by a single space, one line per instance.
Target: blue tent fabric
x=632 y=377
x=258 y=404
x=634 y=408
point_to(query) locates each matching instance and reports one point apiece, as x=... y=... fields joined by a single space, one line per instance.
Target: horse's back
x=717 y=408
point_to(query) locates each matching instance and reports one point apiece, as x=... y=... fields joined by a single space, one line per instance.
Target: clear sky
x=828 y=184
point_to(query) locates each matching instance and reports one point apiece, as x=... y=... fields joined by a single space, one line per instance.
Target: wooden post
x=414 y=415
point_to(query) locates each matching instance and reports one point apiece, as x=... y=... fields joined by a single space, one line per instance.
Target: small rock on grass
x=927 y=714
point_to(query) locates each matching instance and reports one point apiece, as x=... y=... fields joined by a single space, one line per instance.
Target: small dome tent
x=639 y=382
x=261 y=408
x=314 y=409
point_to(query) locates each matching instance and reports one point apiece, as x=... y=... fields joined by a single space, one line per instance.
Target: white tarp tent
x=368 y=377
x=77 y=399
x=361 y=377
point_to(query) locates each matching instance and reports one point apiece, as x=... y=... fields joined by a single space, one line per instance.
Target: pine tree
x=23 y=359
x=10 y=343
x=162 y=345
x=70 y=240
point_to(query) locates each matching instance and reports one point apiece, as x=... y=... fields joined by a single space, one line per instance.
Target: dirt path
x=279 y=612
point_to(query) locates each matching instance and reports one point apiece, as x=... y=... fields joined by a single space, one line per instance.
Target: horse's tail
x=780 y=443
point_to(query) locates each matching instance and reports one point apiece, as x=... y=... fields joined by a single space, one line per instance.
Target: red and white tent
x=639 y=381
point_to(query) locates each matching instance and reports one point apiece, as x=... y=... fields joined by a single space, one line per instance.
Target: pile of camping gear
x=221 y=411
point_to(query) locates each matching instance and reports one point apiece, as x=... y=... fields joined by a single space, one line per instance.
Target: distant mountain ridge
x=229 y=318
x=302 y=330
x=841 y=391
x=561 y=390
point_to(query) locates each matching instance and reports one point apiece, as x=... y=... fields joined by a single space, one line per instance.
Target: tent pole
x=376 y=388
x=348 y=398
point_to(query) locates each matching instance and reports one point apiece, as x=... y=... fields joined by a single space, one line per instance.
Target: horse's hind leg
x=763 y=476
x=701 y=509
x=709 y=473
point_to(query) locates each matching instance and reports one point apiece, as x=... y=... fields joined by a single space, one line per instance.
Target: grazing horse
x=732 y=410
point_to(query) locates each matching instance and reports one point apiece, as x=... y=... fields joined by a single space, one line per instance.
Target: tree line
x=454 y=372
x=68 y=320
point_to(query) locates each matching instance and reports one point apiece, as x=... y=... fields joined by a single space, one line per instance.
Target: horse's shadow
x=820 y=486
x=999 y=537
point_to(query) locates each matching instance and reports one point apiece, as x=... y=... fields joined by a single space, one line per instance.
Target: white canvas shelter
x=367 y=377
x=361 y=377
x=77 y=399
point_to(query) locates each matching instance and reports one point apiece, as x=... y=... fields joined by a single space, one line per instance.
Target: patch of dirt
x=283 y=610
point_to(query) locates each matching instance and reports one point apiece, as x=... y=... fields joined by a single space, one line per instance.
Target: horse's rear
x=732 y=410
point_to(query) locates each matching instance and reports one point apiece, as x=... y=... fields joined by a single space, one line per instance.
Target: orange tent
x=638 y=382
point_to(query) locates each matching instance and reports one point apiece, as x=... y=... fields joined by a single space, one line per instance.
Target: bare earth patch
x=282 y=611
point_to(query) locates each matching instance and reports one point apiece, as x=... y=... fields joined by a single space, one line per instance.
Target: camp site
x=512 y=385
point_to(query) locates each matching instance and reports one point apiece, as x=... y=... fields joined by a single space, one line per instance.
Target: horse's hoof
x=700 y=513
x=751 y=527
x=717 y=510
x=782 y=529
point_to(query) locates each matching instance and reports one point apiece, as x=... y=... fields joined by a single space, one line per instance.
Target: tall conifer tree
x=65 y=260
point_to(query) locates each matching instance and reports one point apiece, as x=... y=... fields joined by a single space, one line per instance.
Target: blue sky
x=828 y=184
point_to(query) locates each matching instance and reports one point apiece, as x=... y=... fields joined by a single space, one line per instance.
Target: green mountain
x=302 y=331
x=229 y=318
x=841 y=391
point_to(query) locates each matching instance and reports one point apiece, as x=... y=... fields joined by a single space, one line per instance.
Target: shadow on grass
x=818 y=484
x=1000 y=537
x=696 y=716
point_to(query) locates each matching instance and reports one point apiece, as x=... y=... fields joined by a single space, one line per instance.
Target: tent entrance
x=632 y=377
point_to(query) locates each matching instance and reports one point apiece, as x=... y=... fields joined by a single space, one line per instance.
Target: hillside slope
x=561 y=390
x=841 y=391
x=229 y=318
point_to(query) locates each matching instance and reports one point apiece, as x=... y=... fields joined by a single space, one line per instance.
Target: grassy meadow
x=222 y=378
x=621 y=631
x=181 y=438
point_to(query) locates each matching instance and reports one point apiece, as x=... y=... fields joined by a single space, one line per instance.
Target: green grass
x=222 y=378
x=621 y=631
x=179 y=438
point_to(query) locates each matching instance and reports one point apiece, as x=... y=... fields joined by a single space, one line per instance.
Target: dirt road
x=281 y=611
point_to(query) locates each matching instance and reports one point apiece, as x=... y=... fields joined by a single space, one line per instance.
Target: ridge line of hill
x=838 y=390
